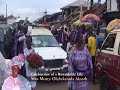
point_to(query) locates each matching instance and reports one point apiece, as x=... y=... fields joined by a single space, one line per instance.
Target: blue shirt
x=99 y=40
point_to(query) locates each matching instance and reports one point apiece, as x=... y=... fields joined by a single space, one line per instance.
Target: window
x=44 y=41
x=119 y=50
x=109 y=43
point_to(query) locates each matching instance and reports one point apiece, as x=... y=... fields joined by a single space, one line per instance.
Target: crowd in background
x=15 y=40
x=80 y=45
x=63 y=34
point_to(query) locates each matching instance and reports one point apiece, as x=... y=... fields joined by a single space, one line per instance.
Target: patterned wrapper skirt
x=80 y=85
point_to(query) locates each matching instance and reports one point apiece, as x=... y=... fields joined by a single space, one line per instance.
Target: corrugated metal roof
x=11 y=17
x=82 y=3
x=40 y=31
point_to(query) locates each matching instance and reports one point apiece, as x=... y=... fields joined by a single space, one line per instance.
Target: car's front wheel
x=104 y=83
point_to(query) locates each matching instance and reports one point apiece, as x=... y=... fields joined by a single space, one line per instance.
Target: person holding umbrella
x=94 y=19
x=90 y=18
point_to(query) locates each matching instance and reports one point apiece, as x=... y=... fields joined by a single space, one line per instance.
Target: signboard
x=112 y=5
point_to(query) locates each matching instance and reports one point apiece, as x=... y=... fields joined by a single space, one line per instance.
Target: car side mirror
x=60 y=44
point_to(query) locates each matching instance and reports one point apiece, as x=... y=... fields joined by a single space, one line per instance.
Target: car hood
x=49 y=53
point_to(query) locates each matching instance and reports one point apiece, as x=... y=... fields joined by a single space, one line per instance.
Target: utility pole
x=6 y=10
x=98 y=11
x=6 y=15
x=45 y=14
x=88 y=5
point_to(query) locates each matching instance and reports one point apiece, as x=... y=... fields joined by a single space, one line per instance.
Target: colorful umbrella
x=91 y=18
x=114 y=24
x=79 y=23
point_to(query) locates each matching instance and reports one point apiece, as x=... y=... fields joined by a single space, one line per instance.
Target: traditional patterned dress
x=80 y=62
x=19 y=43
x=69 y=48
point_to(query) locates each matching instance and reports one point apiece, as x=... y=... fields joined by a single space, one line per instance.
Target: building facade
x=112 y=10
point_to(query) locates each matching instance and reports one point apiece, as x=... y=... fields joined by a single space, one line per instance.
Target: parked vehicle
x=108 y=62
x=47 y=46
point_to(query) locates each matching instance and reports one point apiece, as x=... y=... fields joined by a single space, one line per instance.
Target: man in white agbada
x=16 y=81
x=27 y=51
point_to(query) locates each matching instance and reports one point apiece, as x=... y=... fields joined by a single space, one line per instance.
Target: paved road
x=60 y=86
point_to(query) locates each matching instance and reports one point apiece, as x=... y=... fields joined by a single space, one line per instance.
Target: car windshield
x=44 y=41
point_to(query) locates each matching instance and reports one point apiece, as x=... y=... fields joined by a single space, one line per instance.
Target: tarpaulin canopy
x=79 y=23
x=114 y=24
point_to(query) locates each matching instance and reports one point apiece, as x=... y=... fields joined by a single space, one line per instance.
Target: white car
x=47 y=46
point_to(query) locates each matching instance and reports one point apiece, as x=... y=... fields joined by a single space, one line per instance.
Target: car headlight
x=65 y=61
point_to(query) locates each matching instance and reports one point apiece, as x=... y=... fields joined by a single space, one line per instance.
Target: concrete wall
x=10 y=21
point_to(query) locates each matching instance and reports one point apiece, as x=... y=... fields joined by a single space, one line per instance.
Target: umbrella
x=91 y=18
x=114 y=24
x=79 y=23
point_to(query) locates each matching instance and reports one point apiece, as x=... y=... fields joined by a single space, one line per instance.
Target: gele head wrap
x=14 y=62
x=21 y=57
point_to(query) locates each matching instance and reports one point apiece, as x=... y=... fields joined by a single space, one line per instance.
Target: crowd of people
x=18 y=47
x=80 y=45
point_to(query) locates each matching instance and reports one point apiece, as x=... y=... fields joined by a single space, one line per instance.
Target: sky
x=33 y=9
